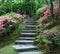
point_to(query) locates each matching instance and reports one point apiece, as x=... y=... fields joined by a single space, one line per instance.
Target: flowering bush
x=42 y=19
x=6 y=22
x=48 y=37
x=47 y=15
x=53 y=36
x=20 y=16
x=9 y=24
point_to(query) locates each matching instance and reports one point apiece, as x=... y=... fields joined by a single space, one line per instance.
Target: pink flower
x=46 y=32
x=14 y=21
x=20 y=16
x=3 y=24
x=1 y=27
x=2 y=19
x=55 y=11
x=41 y=19
x=51 y=31
x=47 y=13
x=24 y=16
x=8 y=19
x=46 y=24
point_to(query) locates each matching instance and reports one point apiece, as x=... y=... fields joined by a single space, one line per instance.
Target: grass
x=8 y=50
x=56 y=28
x=8 y=14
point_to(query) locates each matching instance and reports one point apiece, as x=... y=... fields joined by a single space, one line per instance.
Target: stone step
x=31 y=52
x=26 y=38
x=30 y=23
x=31 y=19
x=28 y=34
x=21 y=48
x=29 y=31
x=24 y=42
x=31 y=26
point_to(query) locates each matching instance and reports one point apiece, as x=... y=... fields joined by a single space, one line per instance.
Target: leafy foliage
x=20 y=6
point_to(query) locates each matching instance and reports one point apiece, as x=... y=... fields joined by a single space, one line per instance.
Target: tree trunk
x=46 y=2
x=59 y=9
x=52 y=11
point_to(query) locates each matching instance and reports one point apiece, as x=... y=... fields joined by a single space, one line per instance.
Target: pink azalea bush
x=10 y=22
x=47 y=13
x=46 y=32
x=47 y=35
x=49 y=32
x=42 y=19
x=20 y=16
x=8 y=26
x=1 y=23
x=55 y=10
x=5 y=21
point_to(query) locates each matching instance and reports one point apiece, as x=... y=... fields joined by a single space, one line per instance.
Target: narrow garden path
x=24 y=45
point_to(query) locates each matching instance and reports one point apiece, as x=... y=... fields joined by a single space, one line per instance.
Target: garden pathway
x=24 y=45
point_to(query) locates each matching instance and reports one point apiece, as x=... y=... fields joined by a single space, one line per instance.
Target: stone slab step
x=29 y=31
x=27 y=38
x=30 y=23
x=28 y=34
x=31 y=19
x=24 y=42
x=31 y=26
x=21 y=48
x=31 y=52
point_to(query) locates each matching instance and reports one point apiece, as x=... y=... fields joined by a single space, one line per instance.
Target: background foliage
x=20 y=6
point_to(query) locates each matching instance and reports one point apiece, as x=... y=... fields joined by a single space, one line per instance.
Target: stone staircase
x=24 y=44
